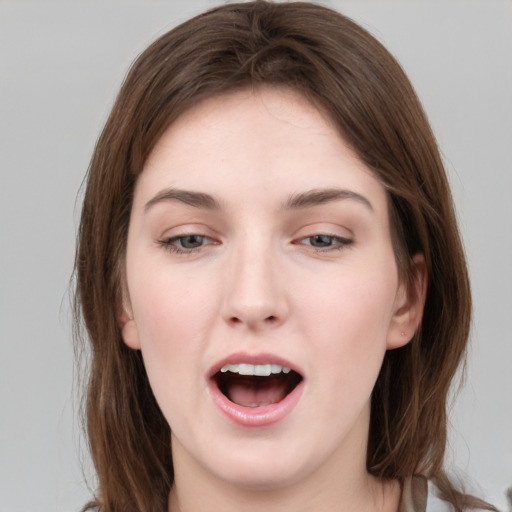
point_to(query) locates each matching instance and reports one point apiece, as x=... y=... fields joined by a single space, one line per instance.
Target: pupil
x=321 y=241
x=191 y=241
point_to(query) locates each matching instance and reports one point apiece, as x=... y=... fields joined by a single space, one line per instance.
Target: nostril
x=253 y=320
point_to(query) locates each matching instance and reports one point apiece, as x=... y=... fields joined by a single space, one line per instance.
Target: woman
x=270 y=274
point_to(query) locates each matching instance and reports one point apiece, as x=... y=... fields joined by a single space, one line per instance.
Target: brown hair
x=344 y=70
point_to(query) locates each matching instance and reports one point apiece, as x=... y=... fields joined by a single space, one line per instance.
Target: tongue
x=256 y=391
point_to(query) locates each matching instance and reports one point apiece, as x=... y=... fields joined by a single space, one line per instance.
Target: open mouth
x=257 y=385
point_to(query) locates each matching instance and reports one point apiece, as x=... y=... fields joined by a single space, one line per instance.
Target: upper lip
x=261 y=358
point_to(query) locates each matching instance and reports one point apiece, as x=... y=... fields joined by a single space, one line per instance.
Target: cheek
x=170 y=307
x=348 y=319
x=172 y=318
x=348 y=330
x=361 y=304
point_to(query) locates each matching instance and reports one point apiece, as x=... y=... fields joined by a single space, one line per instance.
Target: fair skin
x=258 y=237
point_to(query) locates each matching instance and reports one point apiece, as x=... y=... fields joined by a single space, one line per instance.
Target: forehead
x=264 y=116
x=271 y=140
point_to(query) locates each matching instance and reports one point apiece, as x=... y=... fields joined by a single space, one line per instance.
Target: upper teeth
x=260 y=370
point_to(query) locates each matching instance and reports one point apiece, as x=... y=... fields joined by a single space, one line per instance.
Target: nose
x=255 y=297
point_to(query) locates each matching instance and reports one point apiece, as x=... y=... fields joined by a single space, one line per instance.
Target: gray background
x=61 y=64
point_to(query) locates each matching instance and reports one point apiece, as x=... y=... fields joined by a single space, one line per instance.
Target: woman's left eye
x=325 y=242
x=185 y=243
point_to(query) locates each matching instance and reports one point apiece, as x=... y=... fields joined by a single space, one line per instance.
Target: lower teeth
x=256 y=405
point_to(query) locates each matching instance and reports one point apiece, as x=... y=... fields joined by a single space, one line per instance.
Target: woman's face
x=262 y=290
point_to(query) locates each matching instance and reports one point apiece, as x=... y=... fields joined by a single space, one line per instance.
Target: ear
x=128 y=325
x=409 y=303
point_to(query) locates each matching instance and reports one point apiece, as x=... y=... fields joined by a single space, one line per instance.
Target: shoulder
x=422 y=495
x=472 y=504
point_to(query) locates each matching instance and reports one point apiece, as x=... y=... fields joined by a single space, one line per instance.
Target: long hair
x=341 y=68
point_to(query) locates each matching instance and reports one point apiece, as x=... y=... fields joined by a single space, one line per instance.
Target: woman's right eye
x=184 y=244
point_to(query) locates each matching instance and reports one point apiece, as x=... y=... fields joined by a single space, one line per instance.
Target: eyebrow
x=195 y=199
x=297 y=201
x=318 y=197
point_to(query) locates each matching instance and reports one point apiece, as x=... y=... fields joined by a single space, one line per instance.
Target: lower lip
x=256 y=416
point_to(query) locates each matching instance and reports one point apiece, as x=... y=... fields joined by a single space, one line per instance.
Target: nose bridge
x=254 y=296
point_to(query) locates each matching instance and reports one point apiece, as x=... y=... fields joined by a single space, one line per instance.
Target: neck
x=370 y=494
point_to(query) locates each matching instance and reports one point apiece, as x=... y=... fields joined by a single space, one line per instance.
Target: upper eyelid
x=308 y=230
x=188 y=229
x=202 y=234
x=325 y=226
x=315 y=230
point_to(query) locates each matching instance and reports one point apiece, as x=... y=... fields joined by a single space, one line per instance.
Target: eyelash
x=169 y=243
x=337 y=243
x=341 y=242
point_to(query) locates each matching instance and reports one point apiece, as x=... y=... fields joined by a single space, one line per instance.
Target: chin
x=263 y=466
x=261 y=476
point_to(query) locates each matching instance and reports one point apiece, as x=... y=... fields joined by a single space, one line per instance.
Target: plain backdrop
x=61 y=64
